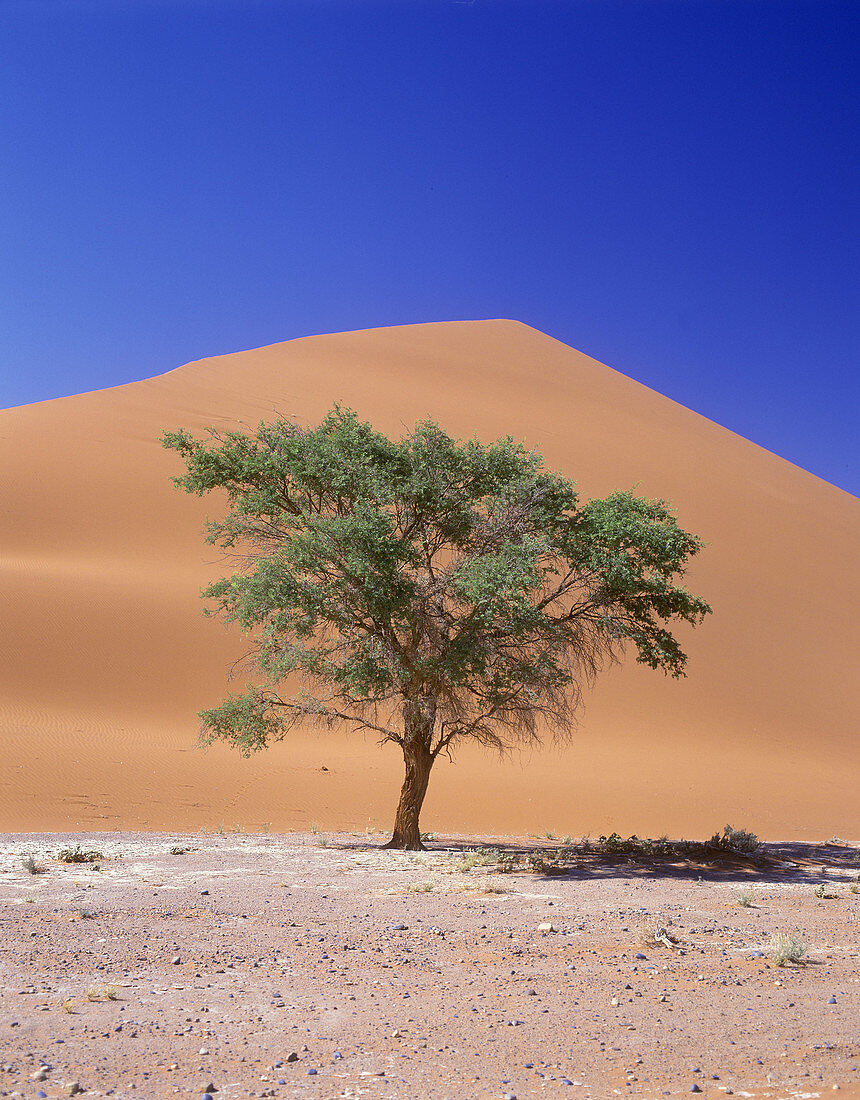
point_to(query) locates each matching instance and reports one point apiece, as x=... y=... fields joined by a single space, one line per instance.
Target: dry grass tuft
x=653 y=935
x=787 y=948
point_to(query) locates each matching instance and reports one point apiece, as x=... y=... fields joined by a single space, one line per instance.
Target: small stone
x=312 y=1072
x=203 y=1050
x=292 y=1057
x=639 y=955
x=41 y=1094
x=207 y=1096
x=210 y=1088
x=510 y=1096
x=546 y=927
x=204 y=893
x=566 y=1081
x=176 y=960
x=39 y=1075
x=756 y=954
x=399 y=927
x=73 y=1088
x=396 y=1034
x=695 y=1088
x=832 y=1001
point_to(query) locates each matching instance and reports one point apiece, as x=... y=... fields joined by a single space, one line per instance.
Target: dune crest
x=105 y=657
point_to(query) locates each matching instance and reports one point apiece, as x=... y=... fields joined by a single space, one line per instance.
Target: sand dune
x=105 y=657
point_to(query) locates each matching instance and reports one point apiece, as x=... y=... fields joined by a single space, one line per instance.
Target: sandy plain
x=321 y=966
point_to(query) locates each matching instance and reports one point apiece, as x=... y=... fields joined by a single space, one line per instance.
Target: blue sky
x=668 y=185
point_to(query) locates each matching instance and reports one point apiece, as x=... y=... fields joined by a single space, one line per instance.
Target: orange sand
x=105 y=657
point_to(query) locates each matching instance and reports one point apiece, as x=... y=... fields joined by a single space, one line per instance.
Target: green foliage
x=78 y=855
x=428 y=589
x=736 y=840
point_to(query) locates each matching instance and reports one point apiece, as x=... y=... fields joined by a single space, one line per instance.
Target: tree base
x=399 y=845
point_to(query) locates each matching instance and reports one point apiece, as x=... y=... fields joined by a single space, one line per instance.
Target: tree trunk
x=419 y=719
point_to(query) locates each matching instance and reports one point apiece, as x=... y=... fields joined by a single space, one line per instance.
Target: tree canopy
x=429 y=589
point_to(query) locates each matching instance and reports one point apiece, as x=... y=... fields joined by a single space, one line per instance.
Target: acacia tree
x=431 y=590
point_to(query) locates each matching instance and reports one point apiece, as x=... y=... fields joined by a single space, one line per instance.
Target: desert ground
x=320 y=965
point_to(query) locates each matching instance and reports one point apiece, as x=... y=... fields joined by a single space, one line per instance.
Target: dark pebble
x=204 y=893
x=832 y=1001
x=312 y=1072
x=695 y=1088
x=639 y=955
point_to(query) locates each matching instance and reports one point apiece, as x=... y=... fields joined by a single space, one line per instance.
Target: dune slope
x=105 y=657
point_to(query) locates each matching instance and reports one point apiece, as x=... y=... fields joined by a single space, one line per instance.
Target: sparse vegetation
x=821 y=891
x=478 y=857
x=420 y=887
x=745 y=897
x=736 y=840
x=787 y=948
x=78 y=855
x=854 y=887
x=495 y=888
x=68 y=1005
x=652 y=935
x=103 y=993
x=32 y=867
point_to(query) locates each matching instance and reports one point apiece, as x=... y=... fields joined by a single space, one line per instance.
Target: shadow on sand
x=787 y=862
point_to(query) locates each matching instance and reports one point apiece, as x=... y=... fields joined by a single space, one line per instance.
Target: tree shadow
x=798 y=862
